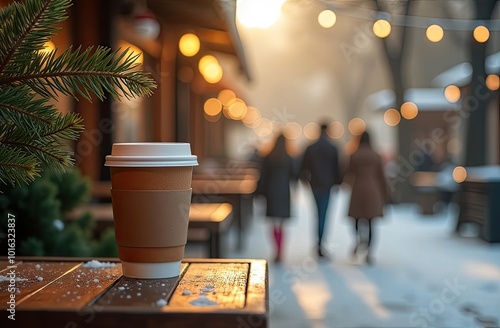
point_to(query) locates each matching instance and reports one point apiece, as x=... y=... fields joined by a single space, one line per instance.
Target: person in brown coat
x=370 y=191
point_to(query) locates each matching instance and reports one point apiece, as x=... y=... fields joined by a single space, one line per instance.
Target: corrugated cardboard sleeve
x=151 y=218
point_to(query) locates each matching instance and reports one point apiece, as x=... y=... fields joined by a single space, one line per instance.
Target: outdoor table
x=76 y=292
x=212 y=218
x=237 y=192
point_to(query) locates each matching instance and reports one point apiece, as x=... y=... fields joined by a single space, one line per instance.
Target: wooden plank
x=5 y=264
x=212 y=285
x=140 y=293
x=257 y=291
x=76 y=288
x=32 y=276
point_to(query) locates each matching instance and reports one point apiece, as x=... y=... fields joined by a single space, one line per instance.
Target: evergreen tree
x=33 y=133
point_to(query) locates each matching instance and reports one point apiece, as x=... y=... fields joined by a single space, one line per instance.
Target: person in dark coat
x=274 y=184
x=370 y=191
x=320 y=167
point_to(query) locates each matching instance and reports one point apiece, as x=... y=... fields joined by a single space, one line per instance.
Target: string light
x=189 y=45
x=382 y=28
x=481 y=34
x=434 y=33
x=409 y=110
x=422 y=22
x=327 y=18
x=452 y=93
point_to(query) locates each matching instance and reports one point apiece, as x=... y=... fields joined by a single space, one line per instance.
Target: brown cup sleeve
x=151 y=218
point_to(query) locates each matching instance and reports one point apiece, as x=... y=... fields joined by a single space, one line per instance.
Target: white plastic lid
x=151 y=154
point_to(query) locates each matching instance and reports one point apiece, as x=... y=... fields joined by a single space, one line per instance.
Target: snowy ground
x=423 y=276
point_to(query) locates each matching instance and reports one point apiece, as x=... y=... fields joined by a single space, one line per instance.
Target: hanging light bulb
x=382 y=28
x=481 y=34
x=434 y=33
x=189 y=44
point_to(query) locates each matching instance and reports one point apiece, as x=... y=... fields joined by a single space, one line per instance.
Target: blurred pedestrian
x=274 y=184
x=370 y=192
x=320 y=168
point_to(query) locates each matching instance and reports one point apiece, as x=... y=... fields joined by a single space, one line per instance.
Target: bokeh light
x=252 y=115
x=434 y=33
x=311 y=130
x=335 y=130
x=356 y=126
x=263 y=127
x=237 y=109
x=409 y=110
x=452 y=93
x=327 y=18
x=225 y=96
x=47 y=47
x=189 y=44
x=493 y=82
x=382 y=28
x=481 y=34
x=392 y=117
x=292 y=130
x=258 y=13
x=133 y=50
x=459 y=174
x=212 y=107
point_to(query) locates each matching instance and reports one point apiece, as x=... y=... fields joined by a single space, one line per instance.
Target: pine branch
x=17 y=167
x=31 y=24
x=65 y=127
x=83 y=72
x=46 y=150
x=19 y=106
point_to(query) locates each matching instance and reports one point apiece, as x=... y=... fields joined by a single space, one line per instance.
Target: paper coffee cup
x=151 y=195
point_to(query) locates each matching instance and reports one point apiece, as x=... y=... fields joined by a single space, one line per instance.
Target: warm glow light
x=481 y=34
x=226 y=96
x=493 y=82
x=205 y=61
x=459 y=174
x=258 y=13
x=210 y=69
x=252 y=115
x=263 y=127
x=292 y=130
x=335 y=130
x=327 y=18
x=311 y=130
x=382 y=28
x=392 y=117
x=434 y=33
x=409 y=110
x=356 y=126
x=452 y=93
x=132 y=50
x=189 y=45
x=47 y=47
x=237 y=109
x=212 y=107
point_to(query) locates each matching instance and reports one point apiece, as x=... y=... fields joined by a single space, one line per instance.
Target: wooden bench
x=207 y=222
x=66 y=292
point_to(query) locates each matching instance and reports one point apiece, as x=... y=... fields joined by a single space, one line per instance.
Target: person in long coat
x=321 y=169
x=370 y=191
x=274 y=184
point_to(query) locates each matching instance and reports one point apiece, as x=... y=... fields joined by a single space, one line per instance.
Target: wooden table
x=215 y=219
x=212 y=219
x=237 y=192
x=67 y=293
